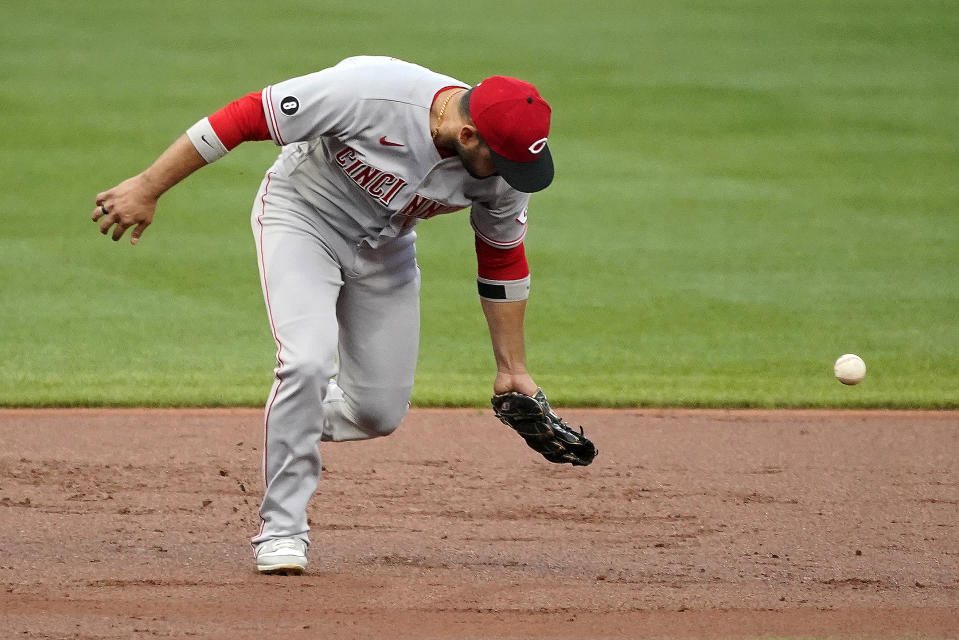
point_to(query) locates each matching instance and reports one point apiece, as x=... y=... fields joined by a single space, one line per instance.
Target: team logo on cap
x=538 y=146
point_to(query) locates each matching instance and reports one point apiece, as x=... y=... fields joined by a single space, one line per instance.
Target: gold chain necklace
x=442 y=113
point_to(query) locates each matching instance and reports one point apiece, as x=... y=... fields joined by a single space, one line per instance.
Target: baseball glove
x=543 y=430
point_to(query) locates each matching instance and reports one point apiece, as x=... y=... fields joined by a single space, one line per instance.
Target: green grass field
x=745 y=191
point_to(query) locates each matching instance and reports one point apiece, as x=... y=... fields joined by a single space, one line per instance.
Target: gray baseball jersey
x=364 y=156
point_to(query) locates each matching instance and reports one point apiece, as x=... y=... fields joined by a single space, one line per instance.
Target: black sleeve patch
x=491 y=291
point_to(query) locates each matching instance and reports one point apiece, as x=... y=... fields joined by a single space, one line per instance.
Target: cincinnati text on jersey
x=384 y=186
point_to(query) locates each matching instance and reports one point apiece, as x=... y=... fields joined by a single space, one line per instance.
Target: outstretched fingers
x=105 y=219
x=126 y=206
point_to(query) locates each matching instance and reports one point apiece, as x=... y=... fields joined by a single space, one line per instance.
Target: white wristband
x=206 y=141
x=503 y=290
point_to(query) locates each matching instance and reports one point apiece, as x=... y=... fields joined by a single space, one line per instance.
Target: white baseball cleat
x=282 y=556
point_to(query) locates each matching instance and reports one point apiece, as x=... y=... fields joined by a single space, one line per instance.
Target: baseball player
x=369 y=148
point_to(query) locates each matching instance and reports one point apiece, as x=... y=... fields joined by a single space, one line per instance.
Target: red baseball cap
x=514 y=121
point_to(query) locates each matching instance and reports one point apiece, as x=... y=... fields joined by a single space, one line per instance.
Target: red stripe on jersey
x=501 y=264
x=496 y=243
x=241 y=121
x=273 y=121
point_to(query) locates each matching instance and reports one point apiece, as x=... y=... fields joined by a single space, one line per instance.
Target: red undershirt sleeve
x=502 y=274
x=240 y=121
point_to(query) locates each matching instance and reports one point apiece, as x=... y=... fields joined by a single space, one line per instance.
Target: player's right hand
x=521 y=382
x=129 y=204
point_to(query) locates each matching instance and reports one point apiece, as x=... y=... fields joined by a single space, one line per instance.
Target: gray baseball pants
x=338 y=309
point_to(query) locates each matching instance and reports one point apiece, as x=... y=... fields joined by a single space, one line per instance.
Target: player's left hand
x=544 y=431
x=129 y=204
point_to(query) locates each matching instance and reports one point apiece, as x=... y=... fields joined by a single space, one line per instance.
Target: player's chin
x=479 y=175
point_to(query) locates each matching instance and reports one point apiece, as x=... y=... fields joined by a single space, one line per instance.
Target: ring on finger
x=103 y=210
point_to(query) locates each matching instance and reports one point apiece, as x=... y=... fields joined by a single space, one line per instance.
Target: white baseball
x=849 y=369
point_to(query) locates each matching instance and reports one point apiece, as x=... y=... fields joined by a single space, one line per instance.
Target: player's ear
x=468 y=135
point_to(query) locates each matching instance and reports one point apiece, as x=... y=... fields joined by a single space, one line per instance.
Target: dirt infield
x=712 y=524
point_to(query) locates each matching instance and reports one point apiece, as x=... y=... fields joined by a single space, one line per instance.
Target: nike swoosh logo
x=203 y=138
x=387 y=143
